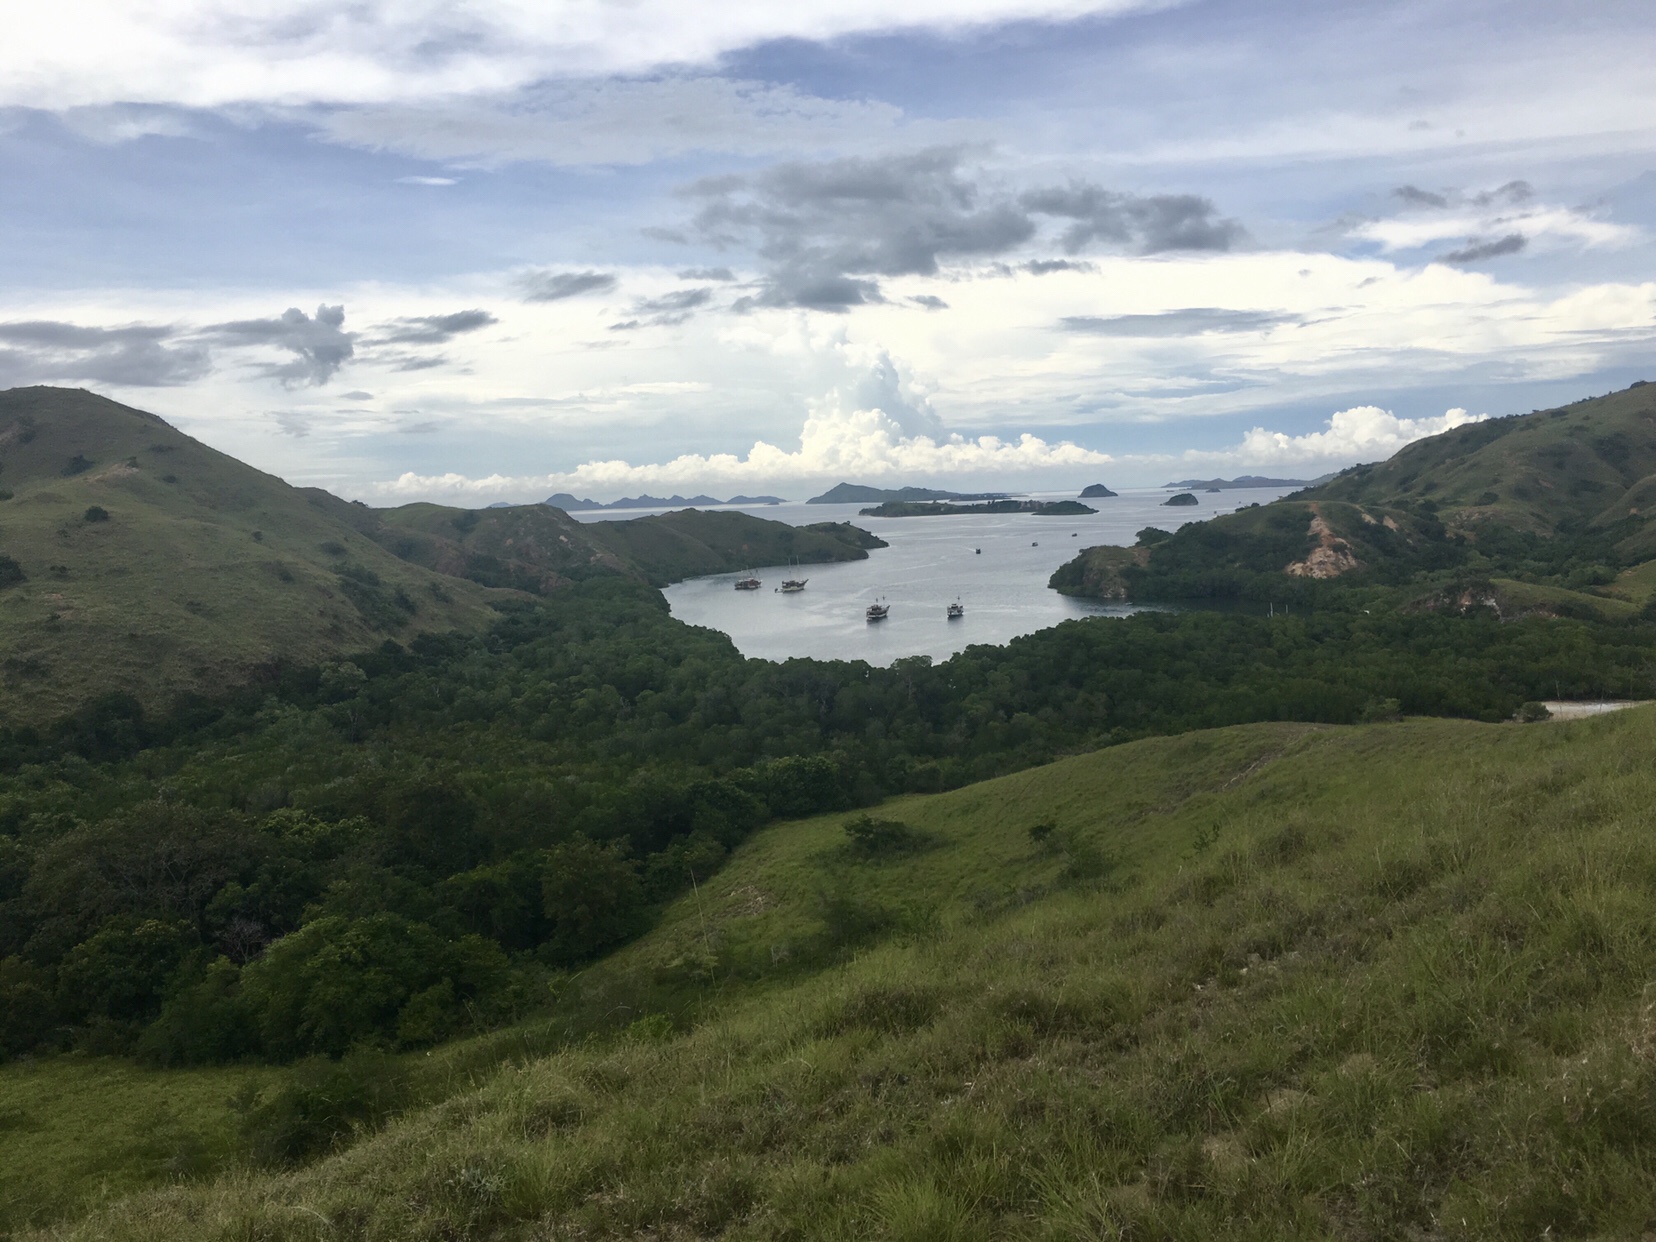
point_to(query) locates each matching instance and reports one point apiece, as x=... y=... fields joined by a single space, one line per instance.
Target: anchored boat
x=877 y=612
x=790 y=585
x=957 y=610
x=749 y=583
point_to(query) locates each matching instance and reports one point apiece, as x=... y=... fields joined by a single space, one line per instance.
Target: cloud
x=136 y=355
x=1045 y=267
x=930 y=301
x=1192 y=321
x=1362 y=433
x=1151 y=225
x=556 y=286
x=319 y=345
x=827 y=231
x=357 y=395
x=672 y=308
x=214 y=52
x=1513 y=192
x=612 y=122
x=433 y=329
x=1414 y=196
x=707 y=273
x=1477 y=251
x=427 y=181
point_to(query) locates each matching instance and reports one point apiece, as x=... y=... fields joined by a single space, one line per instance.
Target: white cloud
x=214 y=52
x=1362 y=433
x=866 y=445
x=1560 y=223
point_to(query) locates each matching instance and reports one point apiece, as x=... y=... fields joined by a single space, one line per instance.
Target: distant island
x=1096 y=491
x=932 y=508
x=569 y=504
x=1245 y=480
x=857 y=494
x=1183 y=498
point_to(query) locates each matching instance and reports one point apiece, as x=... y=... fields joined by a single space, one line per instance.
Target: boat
x=749 y=583
x=877 y=612
x=957 y=610
x=790 y=585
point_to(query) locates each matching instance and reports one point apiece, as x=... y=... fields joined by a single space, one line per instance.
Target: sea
x=995 y=565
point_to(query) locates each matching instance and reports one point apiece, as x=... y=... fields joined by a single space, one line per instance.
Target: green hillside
x=1543 y=513
x=139 y=560
x=135 y=560
x=1274 y=981
x=1590 y=463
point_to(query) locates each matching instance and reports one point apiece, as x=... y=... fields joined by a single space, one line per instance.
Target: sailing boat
x=877 y=611
x=749 y=583
x=791 y=585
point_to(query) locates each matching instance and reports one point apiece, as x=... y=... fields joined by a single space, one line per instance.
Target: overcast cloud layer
x=478 y=251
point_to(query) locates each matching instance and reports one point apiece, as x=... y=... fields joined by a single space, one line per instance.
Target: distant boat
x=1036 y=544
x=957 y=610
x=790 y=585
x=877 y=612
x=749 y=583
x=977 y=551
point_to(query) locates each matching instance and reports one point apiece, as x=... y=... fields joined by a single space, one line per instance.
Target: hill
x=135 y=560
x=857 y=494
x=932 y=508
x=1274 y=981
x=141 y=561
x=1546 y=512
x=1240 y=481
x=1588 y=464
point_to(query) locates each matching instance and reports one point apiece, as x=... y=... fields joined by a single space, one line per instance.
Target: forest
x=394 y=849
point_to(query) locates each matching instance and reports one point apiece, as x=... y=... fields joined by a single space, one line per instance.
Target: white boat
x=790 y=585
x=748 y=584
x=957 y=610
x=877 y=612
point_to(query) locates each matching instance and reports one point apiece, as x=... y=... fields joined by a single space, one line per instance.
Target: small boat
x=957 y=610
x=1036 y=544
x=877 y=612
x=747 y=584
x=977 y=551
x=791 y=585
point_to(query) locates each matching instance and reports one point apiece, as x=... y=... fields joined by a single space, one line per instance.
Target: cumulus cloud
x=319 y=344
x=1151 y=225
x=556 y=286
x=136 y=355
x=1362 y=433
x=212 y=52
x=827 y=232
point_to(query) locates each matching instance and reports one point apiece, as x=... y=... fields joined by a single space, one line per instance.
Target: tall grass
x=1383 y=982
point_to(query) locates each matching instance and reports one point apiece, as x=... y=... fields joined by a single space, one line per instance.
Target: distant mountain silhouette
x=857 y=494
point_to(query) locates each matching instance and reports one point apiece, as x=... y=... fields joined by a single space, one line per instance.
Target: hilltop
x=1275 y=981
x=137 y=561
x=857 y=494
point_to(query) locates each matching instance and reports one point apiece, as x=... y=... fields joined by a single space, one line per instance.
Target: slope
x=144 y=562
x=1592 y=462
x=1276 y=981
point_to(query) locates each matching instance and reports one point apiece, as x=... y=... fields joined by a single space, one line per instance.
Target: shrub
x=11 y=573
x=321 y=1103
x=881 y=836
x=96 y=513
x=1531 y=712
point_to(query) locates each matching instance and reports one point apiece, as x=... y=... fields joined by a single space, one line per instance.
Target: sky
x=485 y=250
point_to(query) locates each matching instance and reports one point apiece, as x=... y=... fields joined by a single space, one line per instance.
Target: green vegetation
x=190 y=571
x=1269 y=982
x=1182 y=498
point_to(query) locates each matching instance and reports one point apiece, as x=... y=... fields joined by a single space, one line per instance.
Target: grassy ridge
x=1265 y=982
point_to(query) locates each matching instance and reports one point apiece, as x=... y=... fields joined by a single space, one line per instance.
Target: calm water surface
x=932 y=561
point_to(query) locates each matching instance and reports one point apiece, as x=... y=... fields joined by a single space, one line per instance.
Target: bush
x=1532 y=712
x=321 y=1103
x=881 y=836
x=590 y=894
x=96 y=513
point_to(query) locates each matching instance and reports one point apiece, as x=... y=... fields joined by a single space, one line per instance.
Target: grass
x=203 y=571
x=1277 y=981
x=79 y=1132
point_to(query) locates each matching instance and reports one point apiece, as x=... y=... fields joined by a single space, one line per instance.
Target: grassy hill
x=1591 y=463
x=140 y=560
x=1545 y=512
x=1275 y=981
x=136 y=560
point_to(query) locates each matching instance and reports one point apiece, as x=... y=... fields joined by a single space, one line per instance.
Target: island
x=933 y=508
x=572 y=504
x=857 y=494
x=1096 y=491
x=1183 y=498
x=1245 y=480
